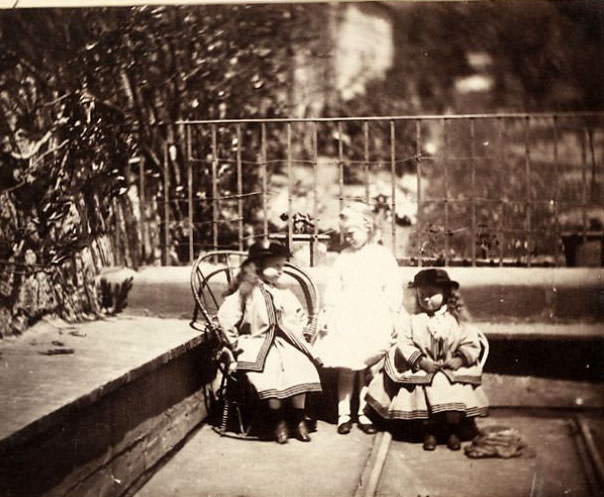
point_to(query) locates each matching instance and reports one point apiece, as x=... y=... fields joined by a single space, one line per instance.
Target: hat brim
x=450 y=283
x=272 y=251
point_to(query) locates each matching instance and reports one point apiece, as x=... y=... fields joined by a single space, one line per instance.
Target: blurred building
x=474 y=91
x=355 y=44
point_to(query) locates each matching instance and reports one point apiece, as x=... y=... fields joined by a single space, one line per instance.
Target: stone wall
x=500 y=295
x=107 y=443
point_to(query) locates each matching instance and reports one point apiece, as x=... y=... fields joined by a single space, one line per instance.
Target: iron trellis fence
x=474 y=189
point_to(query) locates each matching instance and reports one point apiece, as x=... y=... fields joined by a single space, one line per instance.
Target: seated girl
x=433 y=373
x=264 y=325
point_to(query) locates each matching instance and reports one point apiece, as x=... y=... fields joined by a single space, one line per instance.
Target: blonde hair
x=358 y=214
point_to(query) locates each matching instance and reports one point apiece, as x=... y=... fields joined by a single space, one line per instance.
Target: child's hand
x=454 y=363
x=428 y=365
x=232 y=367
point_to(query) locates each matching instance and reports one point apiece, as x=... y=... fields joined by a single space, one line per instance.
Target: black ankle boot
x=429 y=442
x=279 y=426
x=301 y=430
x=453 y=442
x=281 y=434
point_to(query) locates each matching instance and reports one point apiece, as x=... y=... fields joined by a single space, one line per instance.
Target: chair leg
x=240 y=419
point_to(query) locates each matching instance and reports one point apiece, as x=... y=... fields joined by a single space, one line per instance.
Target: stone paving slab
x=210 y=465
x=34 y=387
x=554 y=470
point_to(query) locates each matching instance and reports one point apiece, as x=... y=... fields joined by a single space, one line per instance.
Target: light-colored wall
x=364 y=48
x=355 y=45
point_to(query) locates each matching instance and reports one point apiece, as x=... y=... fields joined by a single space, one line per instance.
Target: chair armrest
x=484 y=345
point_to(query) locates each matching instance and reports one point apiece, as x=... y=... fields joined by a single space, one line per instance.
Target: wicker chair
x=211 y=275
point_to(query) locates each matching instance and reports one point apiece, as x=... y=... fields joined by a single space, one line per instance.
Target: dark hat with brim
x=434 y=277
x=262 y=250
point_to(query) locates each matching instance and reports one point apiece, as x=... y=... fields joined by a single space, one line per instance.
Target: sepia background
x=136 y=139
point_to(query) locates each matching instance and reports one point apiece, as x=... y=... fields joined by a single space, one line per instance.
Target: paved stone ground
x=553 y=470
x=33 y=385
x=210 y=465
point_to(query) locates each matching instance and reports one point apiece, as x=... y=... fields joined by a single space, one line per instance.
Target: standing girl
x=433 y=373
x=362 y=303
x=264 y=325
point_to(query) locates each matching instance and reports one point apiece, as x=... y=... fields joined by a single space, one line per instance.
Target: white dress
x=363 y=298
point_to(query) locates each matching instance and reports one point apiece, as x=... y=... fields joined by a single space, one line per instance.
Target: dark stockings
x=451 y=420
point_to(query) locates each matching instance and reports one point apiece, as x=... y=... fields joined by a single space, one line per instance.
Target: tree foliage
x=82 y=93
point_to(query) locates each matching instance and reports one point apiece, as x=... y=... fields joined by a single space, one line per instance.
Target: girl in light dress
x=433 y=372
x=264 y=324
x=362 y=304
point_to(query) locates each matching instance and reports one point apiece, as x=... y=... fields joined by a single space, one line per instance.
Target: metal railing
x=493 y=189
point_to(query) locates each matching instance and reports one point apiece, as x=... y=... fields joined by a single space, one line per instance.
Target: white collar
x=441 y=311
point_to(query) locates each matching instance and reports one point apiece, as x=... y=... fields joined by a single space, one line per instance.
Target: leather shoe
x=345 y=427
x=429 y=442
x=453 y=442
x=302 y=432
x=311 y=424
x=281 y=434
x=368 y=428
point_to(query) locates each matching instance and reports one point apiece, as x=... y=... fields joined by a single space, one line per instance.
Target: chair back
x=213 y=273
x=484 y=352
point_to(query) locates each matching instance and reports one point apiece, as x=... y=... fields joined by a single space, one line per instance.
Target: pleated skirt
x=395 y=401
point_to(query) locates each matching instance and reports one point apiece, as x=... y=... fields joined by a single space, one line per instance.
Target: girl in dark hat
x=433 y=373
x=264 y=324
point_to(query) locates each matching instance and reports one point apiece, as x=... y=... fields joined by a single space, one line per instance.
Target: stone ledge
x=90 y=350
x=122 y=472
x=92 y=422
x=545 y=295
x=542 y=331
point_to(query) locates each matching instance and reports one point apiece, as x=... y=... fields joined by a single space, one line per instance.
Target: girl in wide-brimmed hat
x=433 y=373
x=264 y=324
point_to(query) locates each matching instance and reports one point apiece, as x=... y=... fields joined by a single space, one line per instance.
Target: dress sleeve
x=469 y=345
x=229 y=317
x=405 y=344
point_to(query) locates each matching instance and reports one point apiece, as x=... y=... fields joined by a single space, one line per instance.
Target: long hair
x=245 y=280
x=456 y=305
